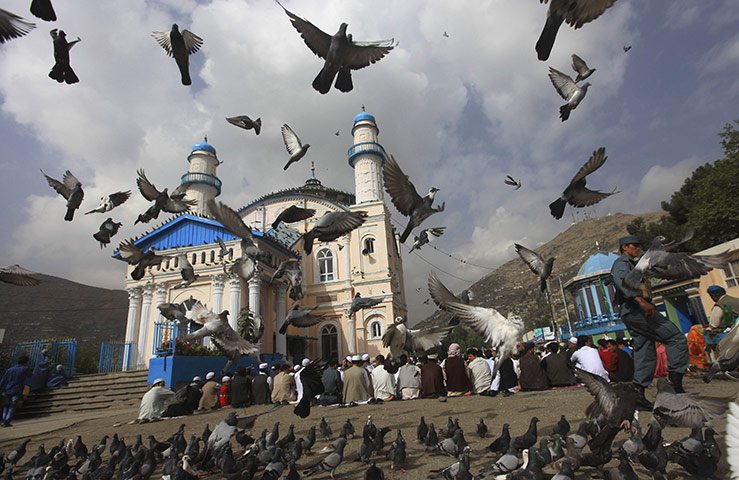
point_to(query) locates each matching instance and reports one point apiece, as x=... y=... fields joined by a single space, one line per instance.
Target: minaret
x=366 y=156
x=202 y=174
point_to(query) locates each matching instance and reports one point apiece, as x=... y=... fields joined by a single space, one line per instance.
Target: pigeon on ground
x=290 y=269
x=401 y=339
x=43 y=10
x=347 y=429
x=657 y=262
x=106 y=231
x=528 y=439
x=449 y=429
x=217 y=327
x=163 y=201
x=180 y=46
x=17 y=275
x=498 y=331
x=110 y=202
x=542 y=268
x=576 y=194
x=500 y=444
x=300 y=318
x=233 y=222
x=15 y=456
x=422 y=430
x=513 y=182
x=506 y=464
x=575 y=13
x=331 y=226
x=187 y=272
x=562 y=427
x=246 y=123
x=582 y=69
x=568 y=90
x=699 y=458
x=330 y=463
x=367 y=448
x=427 y=235
x=12 y=26
x=374 y=472
x=341 y=54
x=397 y=455
x=684 y=409
x=406 y=199
x=134 y=256
x=325 y=429
x=71 y=189
x=294 y=146
x=310 y=376
x=62 y=70
x=482 y=429
x=431 y=438
x=293 y=214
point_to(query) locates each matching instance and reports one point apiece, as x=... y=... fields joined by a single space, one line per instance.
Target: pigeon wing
x=338 y=224
x=421 y=340
x=292 y=142
x=18 y=275
x=510 y=181
x=361 y=54
x=229 y=341
x=563 y=83
x=399 y=187
x=13 y=26
x=605 y=395
x=307 y=320
x=293 y=213
x=60 y=188
x=176 y=205
x=441 y=295
x=583 y=197
x=162 y=39
x=392 y=336
x=231 y=220
x=578 y=12
x=192 y=41
x=183 y=263
x=532 y=259
x=130 y=252
x=579 y=65
x=317 y=40
x=434 y=233
x=70 y=181
x=147 y=189
x=732 y=438
x=677 y=266
x=596 y=160
x=119 y=198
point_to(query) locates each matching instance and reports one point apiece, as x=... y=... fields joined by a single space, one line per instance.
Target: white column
x=235 y=301
x=161 y=290
x=218 y=282
x=144 y=324
x=347 y=257
x=255 y=295
x=280 y=340
x=350 y=335
x=132 y=323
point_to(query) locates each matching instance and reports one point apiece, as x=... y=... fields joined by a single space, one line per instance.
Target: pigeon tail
x=290 y=162
x=43 y=10
x=303 y=407
x=257 y=125
x=557 y=208
x=69 y=76
x=406 y=232
x=344 y=80
x=324 y=79
x=70 y=214
x=548 y=34
x=186 y=78
x=543 y=284
x=564 y=112
x=138 y=272
x=308 y=242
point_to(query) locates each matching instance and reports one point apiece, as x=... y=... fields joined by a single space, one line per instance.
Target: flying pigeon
x=134 y=256
x=187 y=272
x=17 y=275
x=163 y=201
x=178 y=312
x=445 y=35
x=582 y=69
x=616 y=404
x=404 y=197
x=684 y=409
x=501 y=332
x=340 y=52
x=300 y=318
x=216 y=326
x=542 y=268
x=575 y=13
x=110 y=202
x=293 y=214
x=359 y=303
x=568 y=90
x=427 y=235
x=401 y=339
x=331 y=226
x=180 y=46
x=71 y=189
x=294 y=146
x=233 y=222
x=290 y=269
x=107 y=230
x=672 y=245
x=657 y=262
x=43 y=10
x=310 y=376
x=513 y=182
x=223 y=252
x=246 y=123
x=12 y=26
x=336 y=133
x=62 y=70
x=576 y=194
x=627 y=48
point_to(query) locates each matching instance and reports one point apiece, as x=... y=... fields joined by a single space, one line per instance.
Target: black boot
x=676 y=381
x=642 y=403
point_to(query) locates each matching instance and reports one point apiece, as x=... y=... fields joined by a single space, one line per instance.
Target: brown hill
x=59 y=308
x=513 y=288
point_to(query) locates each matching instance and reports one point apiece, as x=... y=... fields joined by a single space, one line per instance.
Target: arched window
x=325 y=265
x=202 y=257
x=212 y=256
x=329 y=342
x=374 y=330
x=231 y=253
x=194 y=258
x=166 y=265
x=176 y=261
x=369 y=246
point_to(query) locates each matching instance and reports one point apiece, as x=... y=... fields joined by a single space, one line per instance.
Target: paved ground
x=516 y=410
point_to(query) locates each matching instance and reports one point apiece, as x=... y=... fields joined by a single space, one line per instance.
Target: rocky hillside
x=513 y=288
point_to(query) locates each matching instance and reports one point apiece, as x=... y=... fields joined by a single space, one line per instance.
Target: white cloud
x=661 y=181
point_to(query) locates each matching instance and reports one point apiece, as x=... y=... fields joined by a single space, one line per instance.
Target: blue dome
x=204 y=146
x=364 y=116
x=599 y=261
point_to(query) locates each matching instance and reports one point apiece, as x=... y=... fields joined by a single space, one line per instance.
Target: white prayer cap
x=573 y=340
x=365 y=357
x=197 y=379
x=305 y=362
x=356 y=358
x=296 y=367
x=263 y=366
x=158 y=380
x=225 y=379
x=210 y=376
x=348 y=358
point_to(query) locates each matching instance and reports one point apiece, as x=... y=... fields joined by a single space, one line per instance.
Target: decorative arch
x=329 y=331
x=374 y=325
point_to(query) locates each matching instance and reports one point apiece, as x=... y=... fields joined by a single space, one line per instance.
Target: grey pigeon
x=330 y=463
x=576 y=194
x=62 y=70
x=294 y=146
x=575 y=13
x=401 y=339
x=107 y=230
x=541 y=268
x=684 y=409
x=506 y=464
x=582 y=69
x=500 y=444
x=427 y=235
x=406 y=199
x=134 y=256
x=325 y=429
x=300 y=318
x=43 y=10
x=562 y=427
x=163 y=201
x=568 y=90
x=290 y=269
x=566 y=471
x=359 y=303
x=233 y=222
x=331 y=226
x=341 y=54
x=17 y=275
x=15 y=456
x=180 y=46
x=246 y=123
x=512 y=182
x=293 y=214
x=397 y=456
x=110 y=202
x=177 y=312
x=422 y=430
x=374 y=472
x=12 y=26
x=223 y=249
x=482 y=429
x=187 y=272
x=71 y=189
x=367 y=448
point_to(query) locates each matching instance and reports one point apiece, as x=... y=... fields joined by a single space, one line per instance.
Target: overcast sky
x=458 y=112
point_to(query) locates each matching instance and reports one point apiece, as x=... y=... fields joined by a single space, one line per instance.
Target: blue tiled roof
x=364 y=116
x=597 y=262
x=204 y=146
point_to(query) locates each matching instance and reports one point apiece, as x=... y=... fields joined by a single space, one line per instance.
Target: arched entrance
x=329 y=338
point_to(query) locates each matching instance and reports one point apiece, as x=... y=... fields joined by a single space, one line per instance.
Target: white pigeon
x=18 y=275
x=732 y=439
x=110 y=202
x=582 y=69
x=293 y=145
x=568 y=90
x=427 y=235
x=401 y=339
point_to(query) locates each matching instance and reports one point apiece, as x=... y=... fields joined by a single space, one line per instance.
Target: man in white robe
x=382 y=381
x=152 y=404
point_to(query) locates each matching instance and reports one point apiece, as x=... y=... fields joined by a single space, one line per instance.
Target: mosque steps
x=89 y=392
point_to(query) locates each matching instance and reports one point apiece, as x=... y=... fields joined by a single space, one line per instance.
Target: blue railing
x=113 y=356
x=196 y=177
x=61 y=352
x=166 y=335
x=365 y=147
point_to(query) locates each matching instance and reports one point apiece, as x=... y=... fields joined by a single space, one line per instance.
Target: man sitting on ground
x=152 y=404
x=382 y=381
x=480 y=374
x=556 y=367
x=409 y=379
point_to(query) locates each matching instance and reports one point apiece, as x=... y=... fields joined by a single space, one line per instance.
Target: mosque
x=366 y=261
